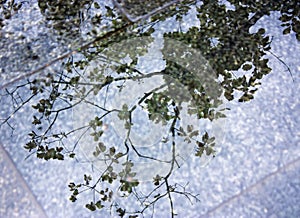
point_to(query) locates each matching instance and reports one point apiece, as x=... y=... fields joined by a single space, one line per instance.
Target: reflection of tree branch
x=152 y=192
x=169 y=190
x=151 y=13
x=262 y=11
x=86 y=45
x=93 y=187
x=152 y=203
x=80 y=137
x=11 y=93
x=98 y=106
x=186 y=194
x=258 y=15
x=16 y=110
x=75 y=51
x=279 y=59
x=68 y=54
x=165 y=182
x=144 y=76
x=130 y=73
x=146 y=95
x=144 y=156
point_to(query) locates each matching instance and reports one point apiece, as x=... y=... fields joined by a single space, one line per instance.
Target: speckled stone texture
x=16 y=199
x=256 y=174
x=276 y=195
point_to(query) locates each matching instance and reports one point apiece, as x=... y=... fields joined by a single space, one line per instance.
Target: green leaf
x=190 y=128
x=220 y=115
x=71 y=185
x=112 y=151
x=59 y=149
x=118 y=155
x=121 y=212
x=36 y=121
x=96 y=5
x=74 y=80
x=209 y=150
x=99 y=205
x=261 y=31
x=200 y=144
x=97 y=152
x=157 y=180
x=87 y=179
x=59 y=156
x=285 y=18
x=110 y=168
x=246 y=97
x=199 y=151
x=228 y=95
x=30 y=145
x=210 y=140
x=286 y=30
x=127 y=125
x=75 y=192
x=72 y=198
x=40 y=155
x=125 y=107
x=72 y=155
x=205 y=137
x=247 y=67
x=91 y=206
x=101 y=146
x=194 y=133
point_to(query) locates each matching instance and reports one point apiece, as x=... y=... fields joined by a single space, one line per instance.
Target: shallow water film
x=130 y=108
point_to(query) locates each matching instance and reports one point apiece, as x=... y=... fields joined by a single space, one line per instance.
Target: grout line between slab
x=21 y=180
x=251 y=187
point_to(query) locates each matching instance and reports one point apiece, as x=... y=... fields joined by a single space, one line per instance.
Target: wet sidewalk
x=275 y=195
x=17 y=200
x=256 y=174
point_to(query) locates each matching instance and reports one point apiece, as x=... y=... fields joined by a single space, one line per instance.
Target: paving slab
x=256 y=174
x=17 y=200
x=276 y=195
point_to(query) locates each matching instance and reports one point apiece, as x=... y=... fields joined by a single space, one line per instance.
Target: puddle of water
x=133 y=106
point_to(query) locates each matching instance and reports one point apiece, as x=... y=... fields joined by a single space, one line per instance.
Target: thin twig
x=279 y=59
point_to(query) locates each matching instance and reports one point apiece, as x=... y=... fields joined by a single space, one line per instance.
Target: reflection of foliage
x=290 y=17
x=158 y=108
x=7 y=9
x=65 y=16
x=224 y=40
x=72 y=18
x=206 y=145
x=229 y=53
x=67 y=90
x=140 y=8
